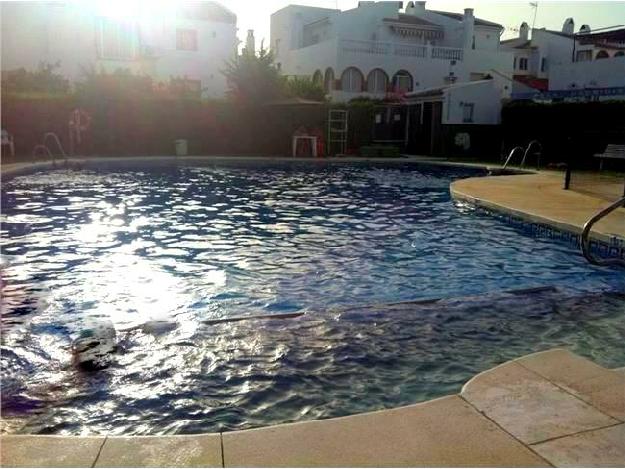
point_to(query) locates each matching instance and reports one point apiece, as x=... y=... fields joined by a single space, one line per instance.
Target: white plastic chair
x=7 y=139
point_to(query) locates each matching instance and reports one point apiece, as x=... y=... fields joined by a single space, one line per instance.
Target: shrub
x=44 y=80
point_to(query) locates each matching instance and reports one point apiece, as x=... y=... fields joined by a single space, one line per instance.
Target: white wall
x=485 y=98
x=603 y=73
x=34 y=32
x=365 y=23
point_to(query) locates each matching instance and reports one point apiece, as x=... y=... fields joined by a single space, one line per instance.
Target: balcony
x=400 y=50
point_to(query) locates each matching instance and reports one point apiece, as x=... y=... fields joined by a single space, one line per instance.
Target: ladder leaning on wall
x=337 y=131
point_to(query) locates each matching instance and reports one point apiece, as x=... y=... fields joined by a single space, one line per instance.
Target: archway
x=402 y=82
x=328 y=80
x=352 y=80
x=377 y=81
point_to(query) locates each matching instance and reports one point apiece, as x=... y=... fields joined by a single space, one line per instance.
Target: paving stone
x=596 y=448
x=609 y=399
x=530 y=407
x=48 y=451
x=443 y=432
x=165 y=451
x=561 y=366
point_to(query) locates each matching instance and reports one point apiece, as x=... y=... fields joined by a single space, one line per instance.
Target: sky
x=254 y=14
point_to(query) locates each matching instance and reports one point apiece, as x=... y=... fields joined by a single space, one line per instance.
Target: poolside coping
x=551 y=408
x=540 y=198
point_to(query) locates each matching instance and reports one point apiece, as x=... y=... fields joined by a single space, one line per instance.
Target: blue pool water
x=126 y=244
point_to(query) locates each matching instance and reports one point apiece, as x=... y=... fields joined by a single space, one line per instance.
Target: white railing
x=400 y=50
x=447 y=53
x=410 y=50
x=366 y=47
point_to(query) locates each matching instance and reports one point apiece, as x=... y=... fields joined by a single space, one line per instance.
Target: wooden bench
x=611 y=152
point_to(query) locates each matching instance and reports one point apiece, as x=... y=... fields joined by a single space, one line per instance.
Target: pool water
x=126 y=244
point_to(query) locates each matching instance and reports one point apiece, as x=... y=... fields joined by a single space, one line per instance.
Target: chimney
x=585 y=29
x=409 y=10
x=419 y=8
x=468 y=27
x=524 y=31
x=569 y=26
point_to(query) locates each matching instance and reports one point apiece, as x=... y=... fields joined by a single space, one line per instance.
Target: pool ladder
x=585 y=241
x=525 y=153
x=45 y=149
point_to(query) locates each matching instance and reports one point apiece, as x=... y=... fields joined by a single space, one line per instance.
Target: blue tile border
x=614 y=248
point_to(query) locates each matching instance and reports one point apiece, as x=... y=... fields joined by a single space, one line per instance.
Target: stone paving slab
x=443 y=432
x=48 y=451
x=602 y=388
x=561 y=366
x=165 y=451
x=540 y=198
x=596 y=448
x=530 y=407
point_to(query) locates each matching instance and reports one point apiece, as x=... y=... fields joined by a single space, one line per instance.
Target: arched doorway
x=328 y=80
x=377 y=81
x=352 y=80
x=402 y=82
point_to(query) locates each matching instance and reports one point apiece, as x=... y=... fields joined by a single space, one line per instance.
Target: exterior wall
x=287 y=29
x=51 y=32
x=485 y=98
x=361 y=38
x=486 y=38
x=603 y=73
x=556 y=49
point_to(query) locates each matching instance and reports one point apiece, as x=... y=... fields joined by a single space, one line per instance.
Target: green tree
x=306 y=88
x=253 y=78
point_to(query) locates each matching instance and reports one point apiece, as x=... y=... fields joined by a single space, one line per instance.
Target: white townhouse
x=380 y=47
x=566 y=60
x=189 y=41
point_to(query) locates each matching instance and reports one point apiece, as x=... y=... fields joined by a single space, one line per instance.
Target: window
x=377 y=81
x=186 y=39
x=514 y=66
x=276 y=47
x=117 y=39
x=523 y=63
x=584 y=55
x=467 y=112
x=402 y=82
x=543 y=64
x=619 y=54
x=351 y=80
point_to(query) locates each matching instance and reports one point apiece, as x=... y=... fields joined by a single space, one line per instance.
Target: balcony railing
x=400 y=50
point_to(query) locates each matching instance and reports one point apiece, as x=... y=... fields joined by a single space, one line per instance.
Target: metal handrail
x=55 y=137
x=537 y=153
x=585 y=242
x=510 y=156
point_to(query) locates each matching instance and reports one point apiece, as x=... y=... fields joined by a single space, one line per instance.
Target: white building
x=377 y=48
x=565 y=60
x=190 y=41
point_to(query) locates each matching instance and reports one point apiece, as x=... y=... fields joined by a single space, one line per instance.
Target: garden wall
x=569 y=132
x=140 y=127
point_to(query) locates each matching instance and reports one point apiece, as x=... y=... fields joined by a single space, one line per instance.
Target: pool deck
x=547 y=409
x=540 y=198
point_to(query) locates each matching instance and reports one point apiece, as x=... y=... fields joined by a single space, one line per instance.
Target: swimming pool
x=128 y=243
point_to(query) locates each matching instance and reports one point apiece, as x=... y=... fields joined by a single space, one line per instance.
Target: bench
x=611 y=152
